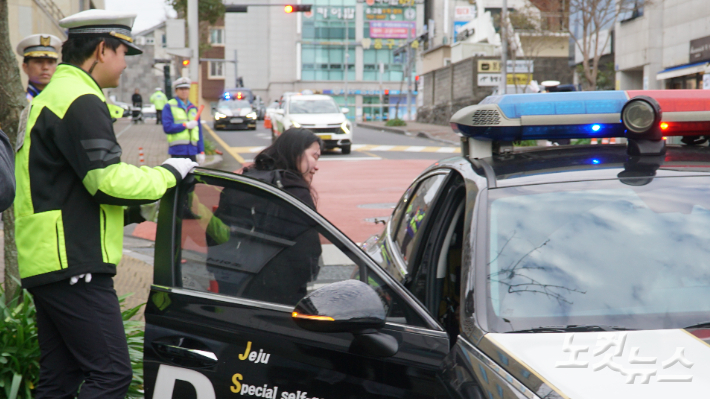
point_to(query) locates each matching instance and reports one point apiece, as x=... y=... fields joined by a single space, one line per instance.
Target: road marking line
x=224 y=145
x=124 y=130
x=382 y=148
x=415 y=148
x=448 y=149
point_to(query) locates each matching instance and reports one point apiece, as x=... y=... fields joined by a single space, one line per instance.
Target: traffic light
x=185 y=63
x=416 y=83
x=386 y=98
x=290 y=8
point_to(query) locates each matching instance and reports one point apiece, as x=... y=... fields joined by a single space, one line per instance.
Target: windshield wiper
x=704 y=324
x=572 y=328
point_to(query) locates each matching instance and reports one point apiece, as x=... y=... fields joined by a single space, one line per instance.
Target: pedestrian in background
x=69 y=211
x=39 y=61
x=159 y=100
x=137 y=99
x=183 y=129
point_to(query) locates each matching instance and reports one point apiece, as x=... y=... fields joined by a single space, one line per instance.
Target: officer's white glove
x=181 y=165
x=190 y=125
x=75 y=279
x=201 y=158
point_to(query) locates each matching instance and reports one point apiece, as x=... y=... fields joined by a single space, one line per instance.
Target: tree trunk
x=12 y=102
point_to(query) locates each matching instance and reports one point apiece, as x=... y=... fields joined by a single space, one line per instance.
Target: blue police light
x=596 y=127
x=596 y=161
x=226 y=96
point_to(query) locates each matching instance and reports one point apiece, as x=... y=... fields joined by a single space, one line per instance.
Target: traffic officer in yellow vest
x=159 y=100
x=183 y=131
x=69 y=210
x=39 y=61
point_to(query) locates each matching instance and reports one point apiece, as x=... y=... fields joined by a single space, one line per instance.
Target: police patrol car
x=561 y=272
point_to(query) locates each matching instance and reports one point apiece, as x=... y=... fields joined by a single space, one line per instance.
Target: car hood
x=317 y=119
x=235 y=111
x=618 y=364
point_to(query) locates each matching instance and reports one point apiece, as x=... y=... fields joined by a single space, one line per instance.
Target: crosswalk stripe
x=447 y=149
x=415 y=148
x=382 y=148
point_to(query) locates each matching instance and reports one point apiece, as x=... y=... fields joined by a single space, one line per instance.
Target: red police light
x=288 y=9
x=239 y=95
x=185 y=62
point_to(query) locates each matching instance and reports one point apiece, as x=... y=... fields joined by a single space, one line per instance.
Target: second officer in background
x=39 y=61
x=183 y=129
x=159 y=99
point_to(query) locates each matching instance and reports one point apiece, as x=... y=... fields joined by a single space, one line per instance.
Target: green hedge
x=19 y=348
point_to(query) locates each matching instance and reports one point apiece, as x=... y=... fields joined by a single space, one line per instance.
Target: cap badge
x=44 y=41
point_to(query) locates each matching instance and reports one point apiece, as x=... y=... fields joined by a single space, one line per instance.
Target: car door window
x=414 y=215
x=242 y=241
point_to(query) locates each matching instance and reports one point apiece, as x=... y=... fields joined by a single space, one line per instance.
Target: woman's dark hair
x=285 y=153
x=78 y=49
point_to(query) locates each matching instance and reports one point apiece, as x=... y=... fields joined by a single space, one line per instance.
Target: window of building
x=164 y=40
x=326 y=62
x=149 y=40
x=371 y=61
x=217 y=36
x=216 y=70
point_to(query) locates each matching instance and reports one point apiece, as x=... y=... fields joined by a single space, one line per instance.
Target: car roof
x=585 y=163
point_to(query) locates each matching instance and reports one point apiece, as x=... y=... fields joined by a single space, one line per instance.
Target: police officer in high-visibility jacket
x=159 y=99
x=183 y=131
x=71 y=192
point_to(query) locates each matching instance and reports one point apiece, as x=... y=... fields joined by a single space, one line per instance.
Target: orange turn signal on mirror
x=296 y=315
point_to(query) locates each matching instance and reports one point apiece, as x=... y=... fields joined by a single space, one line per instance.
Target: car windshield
x=313 y=107
x=599 y=253
x=234 y=104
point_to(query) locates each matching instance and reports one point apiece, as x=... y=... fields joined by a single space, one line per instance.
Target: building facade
x=663 y=45
x=27 y=17
x=335 y=49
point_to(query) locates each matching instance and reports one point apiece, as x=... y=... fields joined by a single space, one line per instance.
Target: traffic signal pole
x=194 y=42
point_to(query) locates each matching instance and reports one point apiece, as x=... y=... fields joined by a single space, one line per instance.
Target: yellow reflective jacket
x=72 y=186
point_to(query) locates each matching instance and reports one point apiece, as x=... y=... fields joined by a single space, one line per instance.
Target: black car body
x=480 y=296
x=234 y=115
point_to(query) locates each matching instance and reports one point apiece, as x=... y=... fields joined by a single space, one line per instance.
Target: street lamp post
x=347 y=38
x=193 y=32
x=504 y=48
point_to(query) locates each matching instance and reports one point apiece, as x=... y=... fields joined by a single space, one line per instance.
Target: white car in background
x=317 y=113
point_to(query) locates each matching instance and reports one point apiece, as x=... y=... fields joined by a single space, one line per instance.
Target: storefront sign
x=400 y=3
x=392 y=29
x=325 y=13
x=493 y=66
x=464 y=13
x=493 y=79
x=700 y=49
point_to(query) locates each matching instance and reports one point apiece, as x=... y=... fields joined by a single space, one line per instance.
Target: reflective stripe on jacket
x=180 y=116
x=72 y=186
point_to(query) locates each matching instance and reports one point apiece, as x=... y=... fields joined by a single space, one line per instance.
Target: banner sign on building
x=392 y=29
x=464 y=13
x=517 y=66
x=700 y=49
x=493 y=79
x=325 y=13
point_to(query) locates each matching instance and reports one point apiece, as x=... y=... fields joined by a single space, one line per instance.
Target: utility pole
x=408 y=70
x=504 y=48
x=347 y=28
x=236 y=75
x=194 y=42
x=382 y=71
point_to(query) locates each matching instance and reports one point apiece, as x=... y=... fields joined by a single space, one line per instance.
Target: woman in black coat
x=272 y=251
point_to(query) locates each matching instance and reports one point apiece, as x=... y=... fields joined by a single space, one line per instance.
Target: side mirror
x=345 y=110
x=348 y=306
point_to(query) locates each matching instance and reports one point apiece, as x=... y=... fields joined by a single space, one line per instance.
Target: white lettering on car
x=167 y=375
x=253 y=356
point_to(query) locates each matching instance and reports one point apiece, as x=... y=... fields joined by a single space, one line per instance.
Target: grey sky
x=150 y=12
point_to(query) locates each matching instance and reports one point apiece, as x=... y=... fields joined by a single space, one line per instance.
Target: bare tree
x=12 y=102
x=590 y=26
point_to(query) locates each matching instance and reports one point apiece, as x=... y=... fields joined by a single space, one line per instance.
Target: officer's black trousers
x=158 y=116
x=81 y=338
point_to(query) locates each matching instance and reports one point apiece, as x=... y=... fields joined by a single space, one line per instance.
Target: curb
x=406 y=133
x=216 y=158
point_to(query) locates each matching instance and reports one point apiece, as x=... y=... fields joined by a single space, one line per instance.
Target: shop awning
x=682 y=70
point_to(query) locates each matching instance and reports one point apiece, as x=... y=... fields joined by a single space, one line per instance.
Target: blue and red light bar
x=576 y=115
